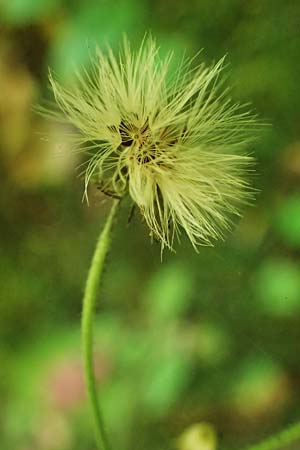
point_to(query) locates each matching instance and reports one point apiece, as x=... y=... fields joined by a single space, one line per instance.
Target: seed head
x=173 y=140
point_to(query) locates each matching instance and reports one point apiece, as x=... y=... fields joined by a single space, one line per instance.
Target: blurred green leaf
x=287 y=220
x=213 y=342
x=95 y=23
x=169 y=292
x=277 y=285
x=26 y=11
x=255 y=384
x=164 y=383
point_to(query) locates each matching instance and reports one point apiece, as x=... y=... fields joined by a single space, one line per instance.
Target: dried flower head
x=172 y=140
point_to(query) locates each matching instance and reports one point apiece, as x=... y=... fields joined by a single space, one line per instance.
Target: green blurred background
x=211 y=337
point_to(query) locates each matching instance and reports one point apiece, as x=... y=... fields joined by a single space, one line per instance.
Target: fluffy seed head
x=173 y=140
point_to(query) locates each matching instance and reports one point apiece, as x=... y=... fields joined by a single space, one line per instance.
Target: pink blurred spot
x=66 y=388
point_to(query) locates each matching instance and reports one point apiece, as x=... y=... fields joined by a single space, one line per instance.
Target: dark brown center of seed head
x=124 y=130
x=131 y=133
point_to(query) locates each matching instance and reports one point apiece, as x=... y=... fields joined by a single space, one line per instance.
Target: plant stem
x=285 y=437
x=89 y=300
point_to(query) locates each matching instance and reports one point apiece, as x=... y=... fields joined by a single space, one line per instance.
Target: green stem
x=277 y=441
x=89 y=300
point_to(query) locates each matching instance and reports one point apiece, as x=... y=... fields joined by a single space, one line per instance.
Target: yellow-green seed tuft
x=175 y=143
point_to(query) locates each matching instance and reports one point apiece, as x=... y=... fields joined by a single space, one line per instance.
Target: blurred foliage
x=201 y=338
x=200 y=436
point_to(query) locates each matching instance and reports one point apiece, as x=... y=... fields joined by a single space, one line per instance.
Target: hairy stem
x=89 y=300
x=278 y=441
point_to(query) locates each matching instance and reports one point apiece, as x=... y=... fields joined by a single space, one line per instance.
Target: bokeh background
x=212 y=337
